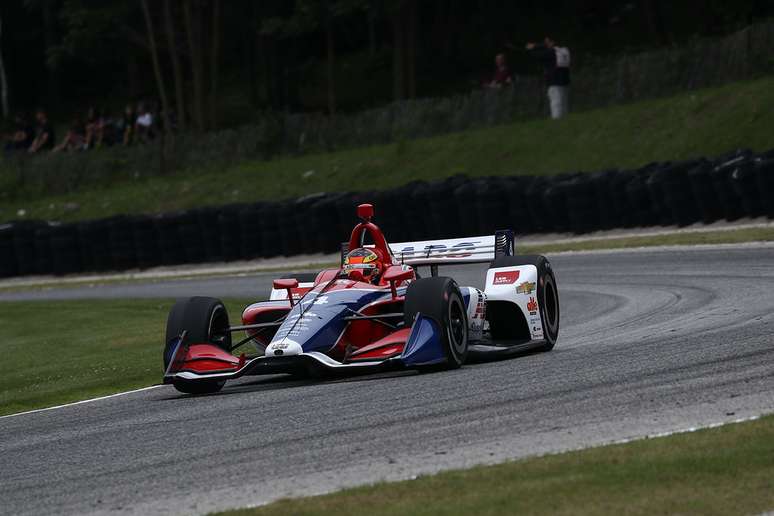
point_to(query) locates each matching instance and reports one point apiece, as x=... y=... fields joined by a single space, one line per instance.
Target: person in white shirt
x=143 y=127
x=556 y=65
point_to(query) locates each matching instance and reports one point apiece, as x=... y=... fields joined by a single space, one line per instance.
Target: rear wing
x=482 y=249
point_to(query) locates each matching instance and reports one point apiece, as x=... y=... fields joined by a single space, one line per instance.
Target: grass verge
x=735 y=236
x=700 y=123
x=63 y=351
x=723 y=471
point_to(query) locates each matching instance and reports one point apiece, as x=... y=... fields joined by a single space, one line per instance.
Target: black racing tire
x=440 y=299
x=547 y=293
x=203 y=319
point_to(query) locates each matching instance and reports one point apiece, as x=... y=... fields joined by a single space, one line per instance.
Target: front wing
x=206 y=362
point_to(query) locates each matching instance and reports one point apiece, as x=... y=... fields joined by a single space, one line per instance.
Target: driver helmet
x=363 y=264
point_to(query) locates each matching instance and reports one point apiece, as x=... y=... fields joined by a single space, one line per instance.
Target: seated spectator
x=127 y=125
x=95 y=129
x=502 y=75
x=112 y=130
x=74 y=138
x=22 y=136
x=44 y=134
x=143 y=127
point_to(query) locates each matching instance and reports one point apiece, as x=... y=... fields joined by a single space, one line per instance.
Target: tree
x=404 y=21
x=193 y=30
x=310 y=15
x=177 y=68
x=214 y=62
x=159 y=82
x=204 y=71
x=3 y=80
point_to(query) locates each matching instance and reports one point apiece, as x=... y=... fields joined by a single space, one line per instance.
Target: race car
x=373 y=313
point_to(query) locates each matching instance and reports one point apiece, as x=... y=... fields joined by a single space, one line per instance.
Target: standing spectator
x=22 y=136
x=143 y=128
x=74 y=138
x=556 y=66
x=128 y=125
x=502 y=75
x=44 y=134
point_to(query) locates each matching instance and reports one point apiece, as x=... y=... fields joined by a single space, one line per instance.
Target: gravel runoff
x=651 y=342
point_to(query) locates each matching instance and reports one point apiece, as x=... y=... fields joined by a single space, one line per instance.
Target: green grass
x=700 y=123
x=690 y=238
x=62 y=351
x=723 y=471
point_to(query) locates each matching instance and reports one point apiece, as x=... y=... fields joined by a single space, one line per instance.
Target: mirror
x=285 y=284
x=397 y=273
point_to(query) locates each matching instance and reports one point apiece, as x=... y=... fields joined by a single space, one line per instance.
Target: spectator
x=556 y=65
x=112 y=130
x=502 y=75
x=22 y=136
x=128 y=125
x=74 y=139
x=143 y=128
x=44 y=135
x=95 y=129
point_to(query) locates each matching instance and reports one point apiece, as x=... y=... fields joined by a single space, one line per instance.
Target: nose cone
x=282 y=348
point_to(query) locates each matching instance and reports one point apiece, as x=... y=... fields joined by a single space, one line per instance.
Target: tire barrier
x=229 y=232
x=764 y=177
x=735 y=185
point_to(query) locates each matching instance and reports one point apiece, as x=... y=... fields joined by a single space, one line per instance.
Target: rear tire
x=204 y=319
x=440 y=299
x=547 y=293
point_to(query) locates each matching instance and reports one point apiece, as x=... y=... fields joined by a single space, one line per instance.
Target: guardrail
x=738 y=184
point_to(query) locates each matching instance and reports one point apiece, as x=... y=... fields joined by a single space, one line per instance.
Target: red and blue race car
x=373 y=313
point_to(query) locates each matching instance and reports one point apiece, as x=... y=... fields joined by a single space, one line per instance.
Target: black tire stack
x=8 y=265
x=735 y=185
x=229 y=232
x=65 y=249
x=146 y=242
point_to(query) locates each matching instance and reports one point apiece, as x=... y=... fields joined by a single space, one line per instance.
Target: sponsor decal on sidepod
x=505 y=278
x=532 y=306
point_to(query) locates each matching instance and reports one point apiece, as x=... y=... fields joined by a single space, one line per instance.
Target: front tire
x=204 y=319
x=547 y=293
x=440 y=299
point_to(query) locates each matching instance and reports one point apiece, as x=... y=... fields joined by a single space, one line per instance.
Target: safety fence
x=738 y=184
x=597 y=82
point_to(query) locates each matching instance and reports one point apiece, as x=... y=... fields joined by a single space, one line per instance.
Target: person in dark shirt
x=556 y=67
x=95 y=129
x=502 y=75
x=44 y=134
x=127 y=125
x=73 y=140
x=22 y=136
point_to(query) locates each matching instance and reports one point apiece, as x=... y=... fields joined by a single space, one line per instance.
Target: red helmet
x=363 y=264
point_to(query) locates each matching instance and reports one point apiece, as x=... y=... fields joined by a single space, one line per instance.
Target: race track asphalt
x=651 y=341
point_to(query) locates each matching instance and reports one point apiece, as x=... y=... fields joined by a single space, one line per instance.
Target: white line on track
x=679 y=431
x=81 y=402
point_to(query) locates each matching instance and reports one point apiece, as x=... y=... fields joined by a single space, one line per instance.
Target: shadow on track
x=288 y=381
